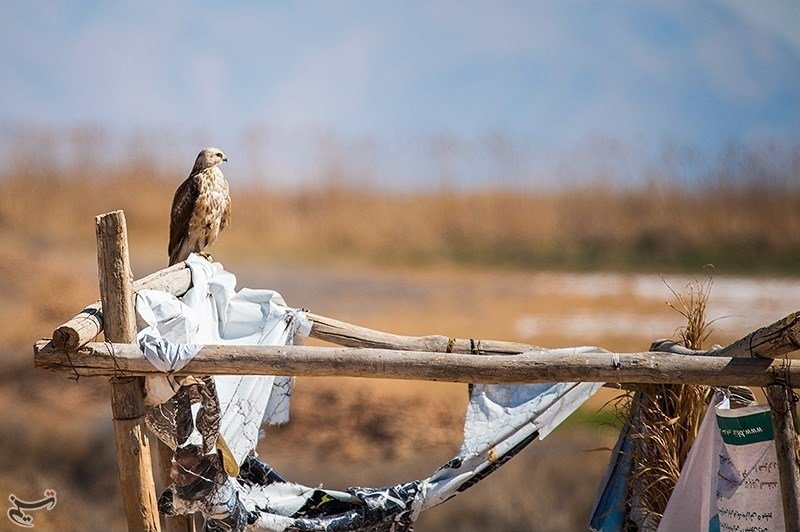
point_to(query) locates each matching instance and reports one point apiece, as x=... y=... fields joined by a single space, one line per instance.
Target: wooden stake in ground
x=786 y=449
x=133 y=446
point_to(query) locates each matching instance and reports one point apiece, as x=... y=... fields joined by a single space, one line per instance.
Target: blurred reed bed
x=741 y=213
x=743 y=229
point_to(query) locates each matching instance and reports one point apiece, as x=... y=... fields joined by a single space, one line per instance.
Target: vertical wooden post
x=127 y=405
x=786 y=448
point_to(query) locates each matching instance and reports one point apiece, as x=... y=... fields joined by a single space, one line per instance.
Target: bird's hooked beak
x=225 y=159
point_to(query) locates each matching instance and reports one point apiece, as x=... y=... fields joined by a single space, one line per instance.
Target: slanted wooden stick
x=349 y=335
x=773 y=341
x=84 y=327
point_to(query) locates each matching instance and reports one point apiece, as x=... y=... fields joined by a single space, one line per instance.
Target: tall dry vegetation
x=742 y=214
x=664 y=419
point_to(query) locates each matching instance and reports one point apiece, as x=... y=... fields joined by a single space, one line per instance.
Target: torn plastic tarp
x=610 y=510
x=261 y=499
x=171 y=331
x=501 y=420
x=726 y=483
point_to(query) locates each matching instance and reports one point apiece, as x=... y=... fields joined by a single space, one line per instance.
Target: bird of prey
x=201 y=207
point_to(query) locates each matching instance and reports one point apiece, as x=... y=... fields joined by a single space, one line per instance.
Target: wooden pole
x=786 y=449
x=561 y=365
x=127 y=406
x=84 y=327
x=771 y=341
x=349 y=335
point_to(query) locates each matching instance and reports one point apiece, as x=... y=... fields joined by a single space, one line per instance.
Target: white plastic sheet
x=172 y=330
x=730 y=478
x=501 y=419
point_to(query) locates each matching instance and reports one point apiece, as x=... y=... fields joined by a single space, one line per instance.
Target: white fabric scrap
x=498 y=410
x=500 y=417
x=692 y=503
x=172 y=331
x=500 y=420
x=165 y=327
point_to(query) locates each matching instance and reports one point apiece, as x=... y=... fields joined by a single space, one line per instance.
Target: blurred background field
x=741 y=213
x=539 y=172
x=555 y=268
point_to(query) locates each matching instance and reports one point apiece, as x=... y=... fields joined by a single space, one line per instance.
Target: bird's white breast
x=217 y=192
x=211 y=202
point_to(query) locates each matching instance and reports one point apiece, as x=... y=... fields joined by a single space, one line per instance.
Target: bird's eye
x=219 y=155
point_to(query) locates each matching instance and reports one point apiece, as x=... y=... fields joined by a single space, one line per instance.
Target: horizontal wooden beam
x=84 y=327
x=535 y=366
x=774 y=340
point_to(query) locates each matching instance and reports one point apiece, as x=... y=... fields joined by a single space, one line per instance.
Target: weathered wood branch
x=88 y=324
x=84 y=327
x=349 y=335
x=127 y=405
x=773 y=341
x=534 y=366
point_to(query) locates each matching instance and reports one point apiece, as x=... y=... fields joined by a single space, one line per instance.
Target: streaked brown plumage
x=201 y=207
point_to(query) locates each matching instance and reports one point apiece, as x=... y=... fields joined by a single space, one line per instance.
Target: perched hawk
x=201 y=207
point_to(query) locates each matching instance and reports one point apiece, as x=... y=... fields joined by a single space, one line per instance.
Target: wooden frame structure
x=755 y=360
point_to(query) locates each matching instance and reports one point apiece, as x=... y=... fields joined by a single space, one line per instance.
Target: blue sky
x=548 y=79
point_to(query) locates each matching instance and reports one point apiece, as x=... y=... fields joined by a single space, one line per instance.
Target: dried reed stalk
x=665 y=419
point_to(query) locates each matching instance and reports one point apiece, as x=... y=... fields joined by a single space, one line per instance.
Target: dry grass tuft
x=665 y=419
x=692 y=306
